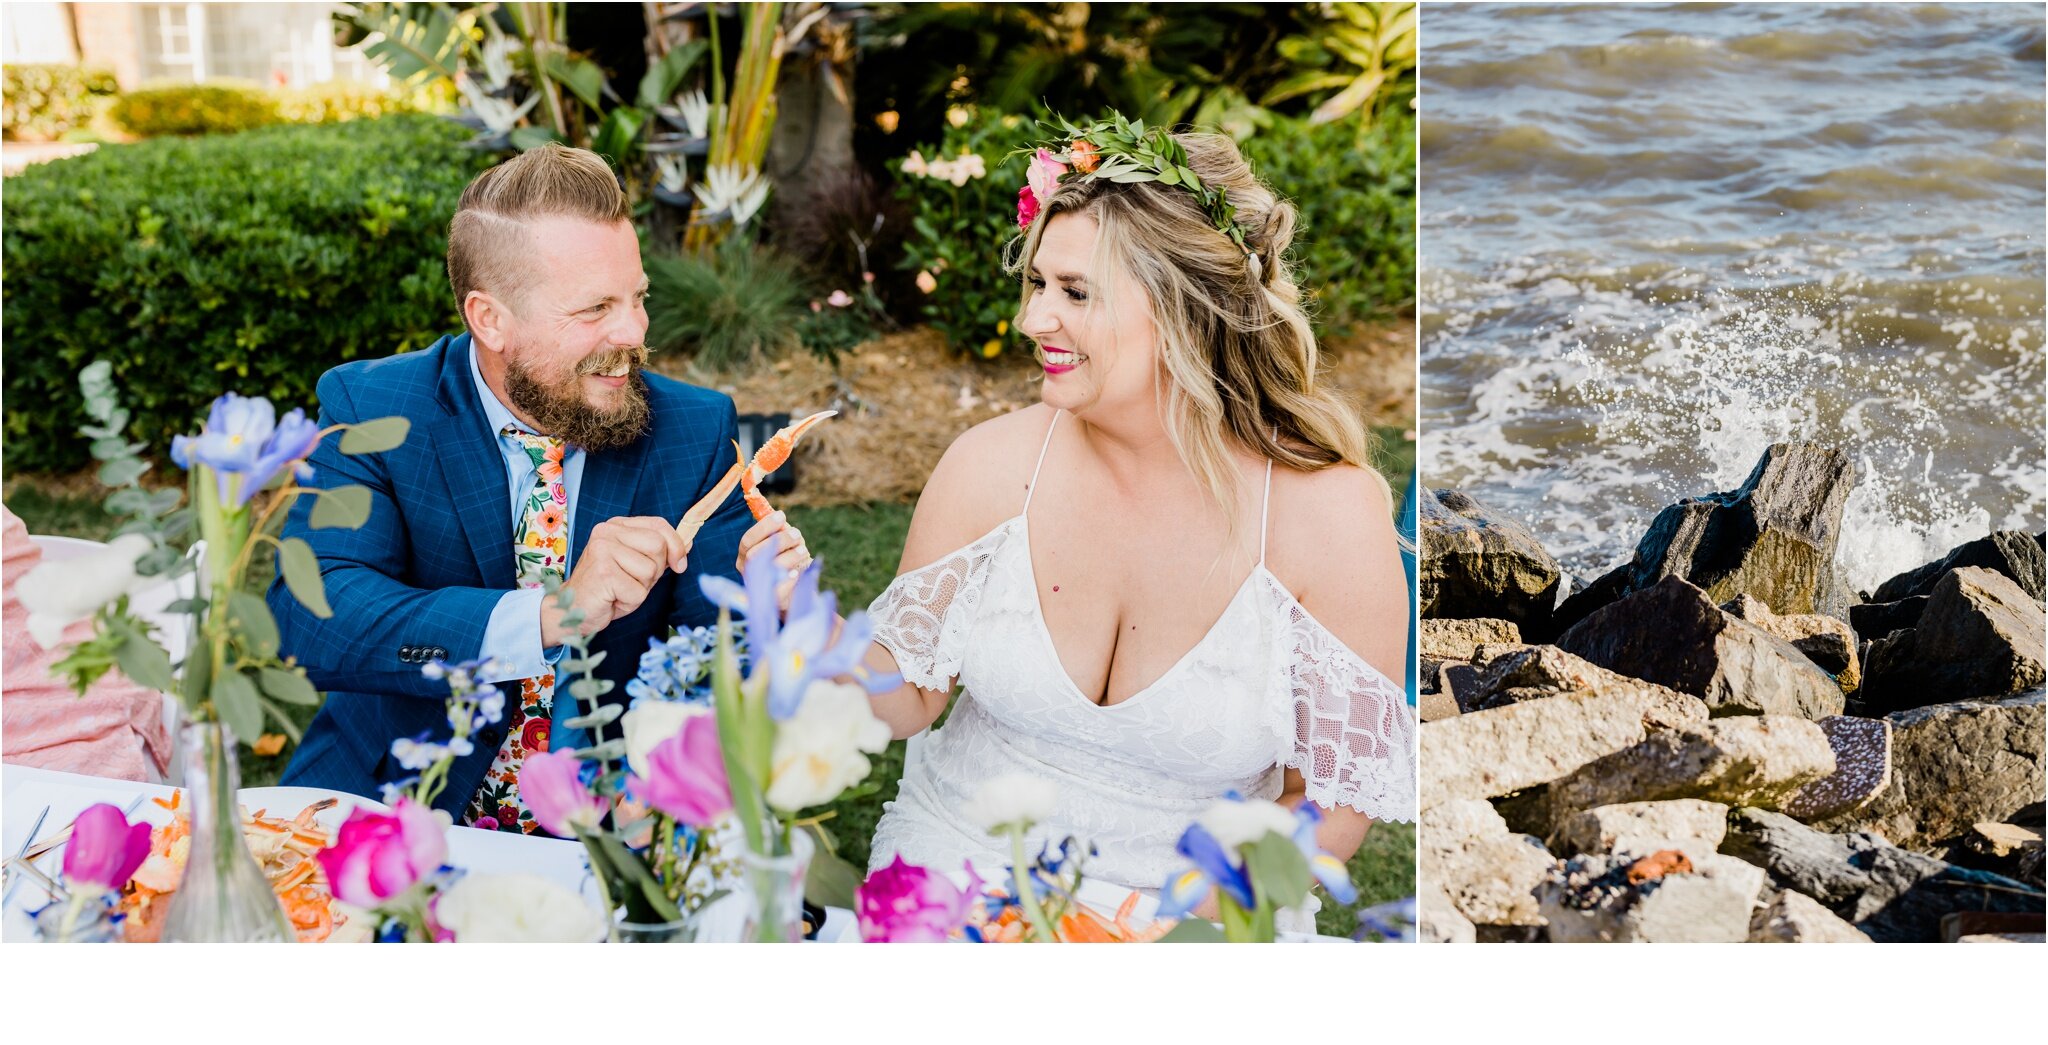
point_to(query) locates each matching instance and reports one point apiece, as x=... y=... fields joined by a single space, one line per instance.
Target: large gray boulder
x=1954 y=766
x=1757 y=761
x=1891 y=894
x=1502 y=750
x=1489 y=873
x=1477 y=562
x=2016 y=555
x=1773 y=537
x=1643 y=827
x=1535 y=672
x=1673 y=634
x=1827 y=641
x=1980 y=636
x=1597 y=899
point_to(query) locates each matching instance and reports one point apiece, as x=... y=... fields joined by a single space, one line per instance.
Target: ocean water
x=1657 y=239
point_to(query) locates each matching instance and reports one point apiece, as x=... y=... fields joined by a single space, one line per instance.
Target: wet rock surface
x=1476 y=562
x=1979 y=636
x=2016 y=555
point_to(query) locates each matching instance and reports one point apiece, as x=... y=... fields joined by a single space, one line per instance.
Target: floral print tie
x=541 y=546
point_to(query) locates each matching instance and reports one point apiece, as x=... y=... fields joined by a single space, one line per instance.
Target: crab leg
x=701 y=512
x=774 y=454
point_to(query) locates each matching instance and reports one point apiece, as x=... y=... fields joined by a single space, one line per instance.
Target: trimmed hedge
x=251 y=262
x=45 y=101
x=228 y=106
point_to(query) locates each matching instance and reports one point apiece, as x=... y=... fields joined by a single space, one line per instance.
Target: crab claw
x=701 y=512
x=775 y=452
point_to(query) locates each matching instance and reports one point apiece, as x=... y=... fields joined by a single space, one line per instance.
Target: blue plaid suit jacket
x=436 y=555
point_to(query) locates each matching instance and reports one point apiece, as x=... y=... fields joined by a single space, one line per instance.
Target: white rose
x=818 y=751
x=516 y=908
x=1236 y=824
x=650 y=722
x=1013 y=798
x=57 y=593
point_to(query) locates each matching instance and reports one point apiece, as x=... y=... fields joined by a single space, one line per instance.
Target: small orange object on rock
x=1657 y=865
x=268 y=745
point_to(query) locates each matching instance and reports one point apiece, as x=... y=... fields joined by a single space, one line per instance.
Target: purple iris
x=1328 y=869
x=1213 y=867
x=799 y=650
x=244 y=437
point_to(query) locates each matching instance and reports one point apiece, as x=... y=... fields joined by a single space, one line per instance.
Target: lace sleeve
x=924 y=615
x=1352 y=733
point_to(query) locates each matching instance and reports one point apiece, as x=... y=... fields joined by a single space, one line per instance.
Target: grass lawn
x=860 y=546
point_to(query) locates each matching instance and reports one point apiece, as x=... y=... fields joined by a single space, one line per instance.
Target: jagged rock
x=1758 y=761
x=1435 y=706
x=1478 y=563
x=1460 y=819
x=1863 y=769
x=1673 y=634
x=1461 y=639
x=2000 y=839
x=1826 y=641
x=1889 y=893
x=1954 y=766
x=1875 y=620
x=1536 y=672
x=1794 y=917
x=1592 y=901
x=1437 y=919
x=2016 y=555
x=1489 y=873
x=1980 y=636
x=1773 y=537
x=1505 y=749
x=1643 y=827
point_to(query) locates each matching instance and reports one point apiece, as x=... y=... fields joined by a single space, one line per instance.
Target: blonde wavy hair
x=1241 y=365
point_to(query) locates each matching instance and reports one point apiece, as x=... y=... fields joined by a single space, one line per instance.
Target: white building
x=279 y=44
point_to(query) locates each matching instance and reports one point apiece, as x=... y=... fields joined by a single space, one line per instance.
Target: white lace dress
x=1267 y=689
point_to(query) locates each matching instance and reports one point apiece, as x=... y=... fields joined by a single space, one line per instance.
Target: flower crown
x=1119 y=150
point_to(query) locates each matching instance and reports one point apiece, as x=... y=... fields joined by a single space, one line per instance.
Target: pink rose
x=551 y=785
x=1027 y=211
x=686 y=775
x=376 y=856
x=903 y=903
x=1044 y=175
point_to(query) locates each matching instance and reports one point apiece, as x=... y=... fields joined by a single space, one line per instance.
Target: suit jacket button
x=440 y=653
x=405 y=654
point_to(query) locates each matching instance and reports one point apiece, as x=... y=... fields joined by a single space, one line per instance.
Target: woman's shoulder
x=1331 y=542
x=980 y=482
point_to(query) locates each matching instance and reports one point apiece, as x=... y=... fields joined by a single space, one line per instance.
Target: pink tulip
x=904 y=903
x=686 y=775
x=105 y=849
x=551 y=785
x=376 y=856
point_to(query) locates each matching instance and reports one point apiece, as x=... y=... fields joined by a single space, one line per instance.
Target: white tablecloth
x=26 y=791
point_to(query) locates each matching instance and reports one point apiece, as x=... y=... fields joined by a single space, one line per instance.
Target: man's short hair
x=485 y=251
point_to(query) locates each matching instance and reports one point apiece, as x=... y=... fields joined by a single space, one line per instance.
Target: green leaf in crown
x=1123 y=151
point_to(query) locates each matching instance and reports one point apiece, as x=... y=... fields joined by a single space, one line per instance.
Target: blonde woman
x=1175 y=577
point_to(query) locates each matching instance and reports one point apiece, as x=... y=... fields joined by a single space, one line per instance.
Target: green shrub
x=1354 y=249
x=42 y=102
x=339 y=102
x=221 y=107
x=958 y=232
x=251 y=262
x=729 y=306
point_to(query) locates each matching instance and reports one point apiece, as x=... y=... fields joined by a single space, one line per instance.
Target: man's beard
x=560 y=410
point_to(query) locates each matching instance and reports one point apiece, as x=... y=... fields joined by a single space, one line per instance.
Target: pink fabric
x=115 y=730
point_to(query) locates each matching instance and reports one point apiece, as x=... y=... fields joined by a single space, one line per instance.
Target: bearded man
x=538 y=446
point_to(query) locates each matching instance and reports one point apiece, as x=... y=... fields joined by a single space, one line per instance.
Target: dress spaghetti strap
x=1265 y=509
x=1043 y=447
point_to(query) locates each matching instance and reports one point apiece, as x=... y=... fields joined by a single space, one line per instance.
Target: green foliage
x=960 y=225
x=194 y=108
x=42 y=102
x=1354 y=57
x=1354 y=250
x=728 y=306
x=253 y=262
x=341 y=101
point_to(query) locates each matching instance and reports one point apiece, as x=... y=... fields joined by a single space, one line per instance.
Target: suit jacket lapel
x=609 y=482
x=473 y=470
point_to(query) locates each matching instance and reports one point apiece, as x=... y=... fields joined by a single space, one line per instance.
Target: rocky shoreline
x=1720 y=740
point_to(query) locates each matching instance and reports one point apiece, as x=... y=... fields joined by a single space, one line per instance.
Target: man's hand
x=611 y=578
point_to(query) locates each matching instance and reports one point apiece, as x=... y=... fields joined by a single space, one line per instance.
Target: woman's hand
x=792 y=557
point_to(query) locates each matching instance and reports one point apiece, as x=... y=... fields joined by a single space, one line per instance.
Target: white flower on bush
x=672 y=173
x=822 y=749
x=1018 y=799
x=696 y=113
x=497 y=114
x=497 y=55
x=1234 y=824
x=739 y=191
x=58 y=592
x=649 y=722
x=516 y=908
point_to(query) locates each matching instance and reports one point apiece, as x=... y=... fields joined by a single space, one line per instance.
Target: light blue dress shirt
x=513 y=635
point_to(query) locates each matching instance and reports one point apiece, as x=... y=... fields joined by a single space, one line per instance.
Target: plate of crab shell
x=284 y=827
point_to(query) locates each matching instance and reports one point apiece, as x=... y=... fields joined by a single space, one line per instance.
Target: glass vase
x=774 y=885
x=682 y=930
x=224 y=895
